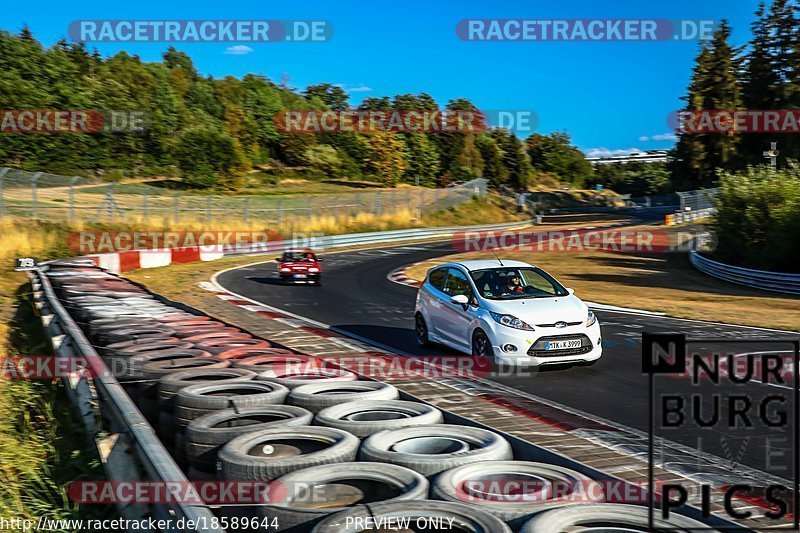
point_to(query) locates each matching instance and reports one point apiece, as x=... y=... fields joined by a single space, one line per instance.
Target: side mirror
x=320 y=259
x=571 y=291
x=460 y=299
x=278 y=259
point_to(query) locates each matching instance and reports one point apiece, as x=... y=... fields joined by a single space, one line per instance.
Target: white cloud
x=361 y=88
x=660 y=137
x=605 y=152
x=238 y=50
x=665 y=137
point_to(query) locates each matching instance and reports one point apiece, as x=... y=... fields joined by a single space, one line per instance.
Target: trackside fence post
x=3 y=172
x=35 y=194
x=72 y=183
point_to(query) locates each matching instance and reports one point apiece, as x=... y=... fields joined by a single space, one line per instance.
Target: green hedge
x=758 y=219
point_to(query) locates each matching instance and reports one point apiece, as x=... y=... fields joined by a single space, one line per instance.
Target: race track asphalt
x=357 y=298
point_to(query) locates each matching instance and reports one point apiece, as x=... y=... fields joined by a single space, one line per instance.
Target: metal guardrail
x=681 y=217
x=375 y=237
x=757 y=279
x=128 y=445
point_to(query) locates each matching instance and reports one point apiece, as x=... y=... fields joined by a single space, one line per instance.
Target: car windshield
x=297 y=256
x=516 y=283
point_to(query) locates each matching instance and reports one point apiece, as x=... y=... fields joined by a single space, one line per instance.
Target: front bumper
x=530 y=345
x=289 y=277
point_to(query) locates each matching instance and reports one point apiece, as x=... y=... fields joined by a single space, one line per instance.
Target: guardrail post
x=34 y=194
x=246 y=211
x=72 y=183
x=176 y=208
x=145 y=206
x=3 y=172
x=279 y=207
x=208 y=209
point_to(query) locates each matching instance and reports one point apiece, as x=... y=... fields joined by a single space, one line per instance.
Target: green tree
x=515 y=159
x=332 y=96
x=208 y=158
x=324 y=159
x=714 y=86
x=423 y=159
x=492 y=156
x=385 y=160
x=555 y=154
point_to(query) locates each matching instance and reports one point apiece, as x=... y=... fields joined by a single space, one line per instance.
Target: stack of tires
x=339 y=452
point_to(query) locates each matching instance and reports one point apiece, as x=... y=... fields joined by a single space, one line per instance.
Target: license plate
x=300 y=276
x=562 y=345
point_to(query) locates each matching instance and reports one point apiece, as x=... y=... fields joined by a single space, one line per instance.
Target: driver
x=513 y=285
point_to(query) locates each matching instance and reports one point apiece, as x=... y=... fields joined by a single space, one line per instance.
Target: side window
x=457 y=283
x=436 y=278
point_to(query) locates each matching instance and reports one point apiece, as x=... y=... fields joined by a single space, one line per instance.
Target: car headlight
x=590 y=319
x=286 y=270
x=511 y=321
x=312 y=269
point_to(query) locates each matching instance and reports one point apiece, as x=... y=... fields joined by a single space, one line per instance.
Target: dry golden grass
x=656 y=282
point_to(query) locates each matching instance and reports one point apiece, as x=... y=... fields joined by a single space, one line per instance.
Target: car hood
x=542 y=310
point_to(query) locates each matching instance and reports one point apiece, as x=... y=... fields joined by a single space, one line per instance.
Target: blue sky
x=608 y=96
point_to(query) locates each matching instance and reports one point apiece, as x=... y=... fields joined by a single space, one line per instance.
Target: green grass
x=43 y=447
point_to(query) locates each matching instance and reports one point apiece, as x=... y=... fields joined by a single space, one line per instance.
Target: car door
x=455 y=319
x=432 y=300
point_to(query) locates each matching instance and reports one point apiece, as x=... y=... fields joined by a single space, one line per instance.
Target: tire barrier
x=207 y=434
x=433 y=449
x=318 y=396
x=280 y=361
x=221 y=345
x=465 y=519
x=515 y=490
x=218 y=333
x=342 y=485
x=196 y=400
x=246 y=353
x=367 y=417
x=294 y=377
x=613 y=516
x=269 y=454
x=169 y=385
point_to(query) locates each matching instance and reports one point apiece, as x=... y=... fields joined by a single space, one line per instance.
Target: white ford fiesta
x=512 y=313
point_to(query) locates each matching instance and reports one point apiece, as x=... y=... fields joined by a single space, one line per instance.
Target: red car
x=300 y=266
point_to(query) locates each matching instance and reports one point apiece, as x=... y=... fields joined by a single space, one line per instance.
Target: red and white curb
x=398 y=275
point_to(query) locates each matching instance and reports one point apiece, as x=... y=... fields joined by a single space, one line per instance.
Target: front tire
x=482 y=348
x=421 y=330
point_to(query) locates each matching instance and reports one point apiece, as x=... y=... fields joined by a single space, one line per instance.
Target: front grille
x=537 y=349
x=554 y=324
